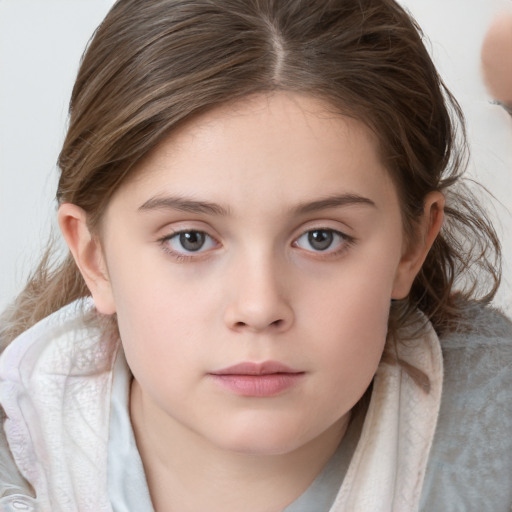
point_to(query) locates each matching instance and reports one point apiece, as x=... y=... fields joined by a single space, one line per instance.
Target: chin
x=261 y=445
x=265 y=436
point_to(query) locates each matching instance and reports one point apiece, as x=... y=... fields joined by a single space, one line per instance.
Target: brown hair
x=153 y=64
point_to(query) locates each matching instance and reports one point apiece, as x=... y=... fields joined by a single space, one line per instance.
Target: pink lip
x=265 y=379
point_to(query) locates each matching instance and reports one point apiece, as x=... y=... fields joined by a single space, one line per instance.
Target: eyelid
x=324 y=224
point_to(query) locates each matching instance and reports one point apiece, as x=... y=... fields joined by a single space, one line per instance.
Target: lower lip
x=267 y=385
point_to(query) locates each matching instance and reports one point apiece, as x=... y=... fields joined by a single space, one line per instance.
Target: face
x=251 y=262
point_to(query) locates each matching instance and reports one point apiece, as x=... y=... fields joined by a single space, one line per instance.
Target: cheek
x=163 y=318
x=349 y=321
x=354 y=301
x=352 y=338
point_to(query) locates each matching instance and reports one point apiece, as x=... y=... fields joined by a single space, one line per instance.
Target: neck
x=186 y=472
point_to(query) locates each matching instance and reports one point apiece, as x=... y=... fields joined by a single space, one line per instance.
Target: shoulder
x=479 y=324
x=478 y=358
x=470 y=465
x=11 y=482
x=75 y=343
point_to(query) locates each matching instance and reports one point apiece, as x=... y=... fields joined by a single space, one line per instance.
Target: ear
x=88 y=255
x=416 y=252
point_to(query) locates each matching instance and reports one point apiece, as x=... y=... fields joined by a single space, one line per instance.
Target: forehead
x=276 y=147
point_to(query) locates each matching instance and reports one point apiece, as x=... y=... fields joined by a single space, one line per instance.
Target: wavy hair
x=154 y=64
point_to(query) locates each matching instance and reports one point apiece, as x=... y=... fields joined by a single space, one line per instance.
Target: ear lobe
x=416 y=253
x=86 y=250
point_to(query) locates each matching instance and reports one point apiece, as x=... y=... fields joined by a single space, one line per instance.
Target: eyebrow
x=335 y=201
x=190 y=205
x=183 y=204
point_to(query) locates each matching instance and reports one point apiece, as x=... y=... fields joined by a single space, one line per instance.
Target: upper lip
x=251 y=368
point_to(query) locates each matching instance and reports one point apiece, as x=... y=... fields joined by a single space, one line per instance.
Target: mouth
x=249 y=379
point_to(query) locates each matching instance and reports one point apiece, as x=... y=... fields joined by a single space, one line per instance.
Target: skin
x=497 y=58
x=257 y=290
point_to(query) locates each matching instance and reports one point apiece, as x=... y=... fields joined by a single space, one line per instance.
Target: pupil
x=192 y=240
x=320 y=240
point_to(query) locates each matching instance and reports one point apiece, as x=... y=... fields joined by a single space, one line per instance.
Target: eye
x=187 y=242
x=322 y=240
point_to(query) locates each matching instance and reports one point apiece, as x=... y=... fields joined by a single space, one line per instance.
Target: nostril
x=275 y=324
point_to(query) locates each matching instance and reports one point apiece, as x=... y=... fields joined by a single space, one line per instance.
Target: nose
x=258 y=299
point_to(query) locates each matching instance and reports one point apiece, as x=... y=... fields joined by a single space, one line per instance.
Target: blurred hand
x=497 y=59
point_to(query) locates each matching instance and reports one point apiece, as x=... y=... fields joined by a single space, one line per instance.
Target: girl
x=261 y=294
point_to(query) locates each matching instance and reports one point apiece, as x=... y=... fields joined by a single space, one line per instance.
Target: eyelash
x=346 y=241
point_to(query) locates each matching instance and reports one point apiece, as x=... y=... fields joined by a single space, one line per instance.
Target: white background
x=40 y=46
